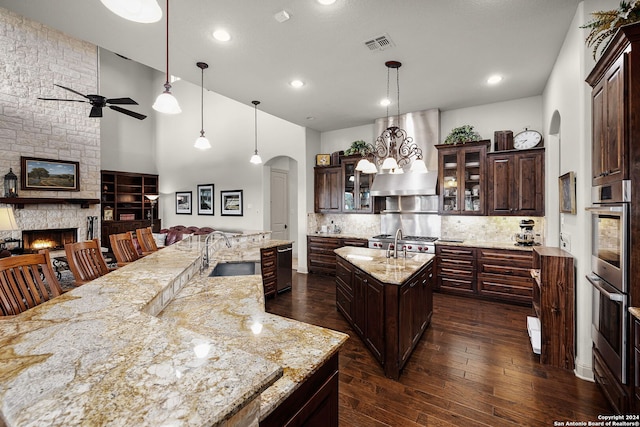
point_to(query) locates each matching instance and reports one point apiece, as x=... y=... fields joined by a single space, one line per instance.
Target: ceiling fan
x=99 y=102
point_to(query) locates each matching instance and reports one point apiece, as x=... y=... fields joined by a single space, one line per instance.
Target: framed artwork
x=183 y=202
x=231 y=203
x=323 y=159
x=48 y=174
x=107 y=214
x=567 y=183
x=205 y=199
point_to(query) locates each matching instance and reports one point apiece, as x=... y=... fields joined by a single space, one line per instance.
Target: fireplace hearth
x=52 y=239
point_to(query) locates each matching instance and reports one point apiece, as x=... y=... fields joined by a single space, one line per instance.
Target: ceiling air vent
x=381 y=42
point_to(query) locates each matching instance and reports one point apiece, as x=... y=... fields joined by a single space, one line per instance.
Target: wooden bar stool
x=86 y=261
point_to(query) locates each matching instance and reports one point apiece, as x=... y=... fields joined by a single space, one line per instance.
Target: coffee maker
x=526 y=237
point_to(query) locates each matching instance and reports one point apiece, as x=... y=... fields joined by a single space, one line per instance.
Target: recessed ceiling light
x=326 y=2
x=297 y=83
x=494 y=79
x=385 y=102
x=282 y=16
x=221 y=35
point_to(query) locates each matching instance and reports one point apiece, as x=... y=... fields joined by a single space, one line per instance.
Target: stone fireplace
x=52 y=239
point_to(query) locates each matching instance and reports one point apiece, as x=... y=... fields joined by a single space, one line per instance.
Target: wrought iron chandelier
x=394 y=149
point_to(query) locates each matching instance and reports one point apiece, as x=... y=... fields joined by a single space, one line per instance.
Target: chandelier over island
x=393 y=149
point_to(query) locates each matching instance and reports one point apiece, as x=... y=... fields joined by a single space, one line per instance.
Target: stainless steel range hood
x=405 y=184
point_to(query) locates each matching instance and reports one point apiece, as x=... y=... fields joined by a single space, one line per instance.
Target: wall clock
x=323 y=159
x=527 y=139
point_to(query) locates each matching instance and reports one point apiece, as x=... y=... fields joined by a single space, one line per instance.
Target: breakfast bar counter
x=106 y=354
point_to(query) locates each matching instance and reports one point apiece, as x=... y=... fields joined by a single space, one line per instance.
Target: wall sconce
x=10 y=184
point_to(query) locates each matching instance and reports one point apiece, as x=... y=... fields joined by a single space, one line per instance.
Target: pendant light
x=255 y=159
x=143 y=11
x=393 y=148
x=165 y=102
x=202 y=142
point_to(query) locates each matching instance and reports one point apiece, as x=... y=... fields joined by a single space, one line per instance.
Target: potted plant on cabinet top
x=358 y=147
x=606 y=22
x=462 y=134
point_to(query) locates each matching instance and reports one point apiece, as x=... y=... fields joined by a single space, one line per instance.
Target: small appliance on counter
x=526 y=236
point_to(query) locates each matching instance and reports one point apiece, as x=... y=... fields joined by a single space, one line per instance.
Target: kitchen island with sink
x=159 y=342
x=387 y=301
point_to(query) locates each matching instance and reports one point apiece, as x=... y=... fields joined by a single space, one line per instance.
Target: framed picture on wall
x=49 y=174
x=567 y=183
x=231 y=203
x=205 y=199
x=183 y=202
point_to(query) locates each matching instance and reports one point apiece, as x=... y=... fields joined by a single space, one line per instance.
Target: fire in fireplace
x=53 y=239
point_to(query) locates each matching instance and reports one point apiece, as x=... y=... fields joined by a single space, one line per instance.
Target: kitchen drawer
x=343 y=274
x=270 y=286
x=344 y=301
x=521 y=259
x=455 y=285
x=510 y=289
x=455 y=271
x=504 y=270
x=614 y=393
x=358 y=243
x=455 y=252
x=455 y=264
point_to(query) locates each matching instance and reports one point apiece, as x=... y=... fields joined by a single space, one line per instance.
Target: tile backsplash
x=477 y=228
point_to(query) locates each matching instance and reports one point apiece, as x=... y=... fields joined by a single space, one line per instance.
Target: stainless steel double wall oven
x=610 y=274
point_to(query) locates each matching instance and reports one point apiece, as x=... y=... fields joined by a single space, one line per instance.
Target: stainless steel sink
x=236 y=269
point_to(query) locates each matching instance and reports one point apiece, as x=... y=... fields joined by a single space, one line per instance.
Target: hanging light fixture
x=393 y=149
x=202 y=142
x=255 y=159
x=166 y=102
x=143 y=11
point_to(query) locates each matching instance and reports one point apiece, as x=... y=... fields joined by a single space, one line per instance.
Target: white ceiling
x=448 y=49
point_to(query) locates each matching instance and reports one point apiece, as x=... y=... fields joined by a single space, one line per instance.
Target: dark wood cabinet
x=515 y=183
x=369 y=316
x=461 y=175
x=123 y=200
x=415 y=311
x=456 y=267
x=505 y=275
x=314 y=403
x=328 y=187
x=553 y=300
x=321 y=257
x=269 y=266
x=356 y=198
x=608 y=124
x=390 y=319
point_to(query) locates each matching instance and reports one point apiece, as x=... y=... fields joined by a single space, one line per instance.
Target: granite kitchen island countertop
x=101 y=355
x=388 y=270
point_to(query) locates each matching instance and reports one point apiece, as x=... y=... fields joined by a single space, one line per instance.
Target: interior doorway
x=279 y=204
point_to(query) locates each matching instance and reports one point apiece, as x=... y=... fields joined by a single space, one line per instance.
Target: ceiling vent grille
x=378 y=43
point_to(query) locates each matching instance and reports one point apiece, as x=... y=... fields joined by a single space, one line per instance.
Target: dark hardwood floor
x=472 y=367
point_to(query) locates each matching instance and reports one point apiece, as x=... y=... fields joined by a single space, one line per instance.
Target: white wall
x=341 y=139
x=229 y=126
x=127 y=144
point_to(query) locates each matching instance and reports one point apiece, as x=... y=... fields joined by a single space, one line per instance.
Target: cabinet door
x=615 y=121
x=529 y=183
x=375 y=319
x=356 y=195
x=406 y=309
x=515 y=182
x=499 y=183
x=461 y=178
x=327 y=189
x=359 y=309
x=608 y=126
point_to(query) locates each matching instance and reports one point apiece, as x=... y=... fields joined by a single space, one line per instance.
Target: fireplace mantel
x=19 y=202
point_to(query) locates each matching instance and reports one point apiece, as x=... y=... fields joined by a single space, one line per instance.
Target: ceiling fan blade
x=59 y=99
x=128 y=101
x=95 y=112
x=71 y=90
x=128 y=112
